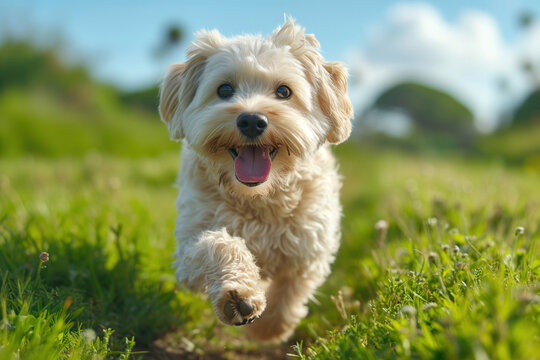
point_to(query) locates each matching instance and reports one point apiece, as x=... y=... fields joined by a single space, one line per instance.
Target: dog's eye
x=225 y=91
x=283 y=92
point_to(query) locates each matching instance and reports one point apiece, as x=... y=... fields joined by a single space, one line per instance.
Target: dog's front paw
x=239 y=306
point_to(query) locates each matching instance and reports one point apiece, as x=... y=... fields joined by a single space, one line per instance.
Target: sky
x=464 y=47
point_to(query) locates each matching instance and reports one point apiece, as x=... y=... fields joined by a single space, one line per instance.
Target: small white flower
x=408 y=310
x=381 y=225
x=489 y=244
x=433 y=256
x=429 y=306
x=89 y=335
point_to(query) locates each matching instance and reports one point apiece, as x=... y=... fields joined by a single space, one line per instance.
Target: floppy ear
x=334 y=101
x=328 y=78
x=169 y=99
x=182 y=79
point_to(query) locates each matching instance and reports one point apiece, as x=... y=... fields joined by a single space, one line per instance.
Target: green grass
x=517 y=145
x=452 y=276
x=401 y=293
x=106 y=224
x=42 y=123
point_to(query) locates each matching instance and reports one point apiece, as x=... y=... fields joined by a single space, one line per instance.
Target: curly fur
x=269 y=246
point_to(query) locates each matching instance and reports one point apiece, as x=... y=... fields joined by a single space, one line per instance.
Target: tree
x=172 y=38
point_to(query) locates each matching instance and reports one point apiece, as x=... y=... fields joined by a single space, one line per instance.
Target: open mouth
x=252 y=163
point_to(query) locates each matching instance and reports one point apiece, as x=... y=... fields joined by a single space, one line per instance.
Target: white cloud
x=466 y=58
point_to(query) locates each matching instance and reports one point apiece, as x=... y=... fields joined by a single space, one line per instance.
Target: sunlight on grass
x=444 y=276
x=453 y=273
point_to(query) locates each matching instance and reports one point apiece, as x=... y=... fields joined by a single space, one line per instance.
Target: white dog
x=259 y=211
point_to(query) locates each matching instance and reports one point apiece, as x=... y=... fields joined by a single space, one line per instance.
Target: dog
x=258 y=221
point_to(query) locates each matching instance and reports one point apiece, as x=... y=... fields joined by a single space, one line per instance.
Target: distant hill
x=529 y=111
x=435 y=116
x=519 y=141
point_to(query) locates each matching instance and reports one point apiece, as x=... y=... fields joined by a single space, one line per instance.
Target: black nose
x=251 y=124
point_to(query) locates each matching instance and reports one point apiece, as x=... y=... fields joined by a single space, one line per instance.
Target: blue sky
x=118 y=37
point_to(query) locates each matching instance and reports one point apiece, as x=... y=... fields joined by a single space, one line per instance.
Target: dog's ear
x=182 y=79
x=328 y=78
x=168 y=101
x=334 y=101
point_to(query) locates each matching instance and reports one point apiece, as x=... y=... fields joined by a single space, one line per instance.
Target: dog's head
x=252 y=106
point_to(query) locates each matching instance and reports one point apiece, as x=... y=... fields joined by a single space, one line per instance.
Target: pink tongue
x=252 y=164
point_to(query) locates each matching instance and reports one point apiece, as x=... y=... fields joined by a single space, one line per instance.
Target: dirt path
x=173 y=346
x=168 y=352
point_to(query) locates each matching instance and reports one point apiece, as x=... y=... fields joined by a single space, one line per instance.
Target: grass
x=40 y=122
x=446 y=277
x=451 y=274
x=109 y=254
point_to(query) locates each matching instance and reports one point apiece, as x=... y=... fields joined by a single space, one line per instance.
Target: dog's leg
x=225 y=267
x=287 y=297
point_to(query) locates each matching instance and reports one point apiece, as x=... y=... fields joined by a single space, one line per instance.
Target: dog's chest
x=283 y=243
x=274 y=244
